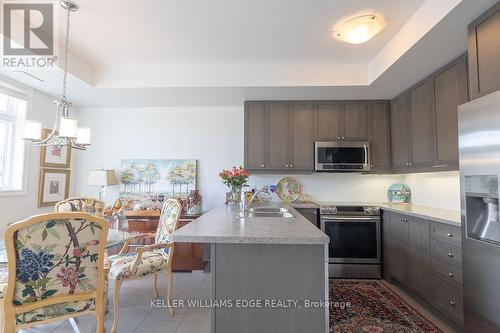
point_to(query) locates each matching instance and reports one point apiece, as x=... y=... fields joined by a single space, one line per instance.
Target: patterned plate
x=288 y=189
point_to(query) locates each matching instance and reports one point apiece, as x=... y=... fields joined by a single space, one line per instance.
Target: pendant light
x=65 y=131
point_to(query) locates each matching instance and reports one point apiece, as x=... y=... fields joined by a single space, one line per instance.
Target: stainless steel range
x=354 y=249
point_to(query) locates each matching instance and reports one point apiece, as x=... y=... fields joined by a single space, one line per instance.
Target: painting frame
x=45 y=159
x=55 y=188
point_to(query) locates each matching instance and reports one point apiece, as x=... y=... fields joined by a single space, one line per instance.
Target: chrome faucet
x=265 y=189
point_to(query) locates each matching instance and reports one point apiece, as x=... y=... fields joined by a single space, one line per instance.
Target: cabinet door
x=255 y=135
x=484 y=53
x=399 y=239
x=380 y=148
x=387 y=245
x=302 y=137
x=423 y=127
x=279 y=136
x=448 y=88
x=400 y=132
x=354 y=121
x=328 y=121
x=419 y=257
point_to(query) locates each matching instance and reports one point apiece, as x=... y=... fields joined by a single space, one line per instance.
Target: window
x=12 y=117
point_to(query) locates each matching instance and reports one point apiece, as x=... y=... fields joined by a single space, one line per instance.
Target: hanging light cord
x=66 y=56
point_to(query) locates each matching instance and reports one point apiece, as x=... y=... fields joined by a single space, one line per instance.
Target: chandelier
x=65 y=131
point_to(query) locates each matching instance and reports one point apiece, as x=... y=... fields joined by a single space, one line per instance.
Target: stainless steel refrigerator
x=479 y=143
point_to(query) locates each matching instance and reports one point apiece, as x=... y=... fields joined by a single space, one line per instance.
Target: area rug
x=374 y=308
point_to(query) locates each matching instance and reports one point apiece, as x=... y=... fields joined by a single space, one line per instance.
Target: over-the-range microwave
x=340 y=156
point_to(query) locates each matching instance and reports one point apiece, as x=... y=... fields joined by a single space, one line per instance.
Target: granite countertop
x=221 y=225
x=446 y=216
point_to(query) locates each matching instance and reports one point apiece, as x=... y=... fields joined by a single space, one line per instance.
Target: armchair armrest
x=126 y=245
x=154 y=247
x=142 y=249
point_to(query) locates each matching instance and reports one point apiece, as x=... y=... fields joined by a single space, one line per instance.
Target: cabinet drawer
x=446 y=233
x=447 y=253
x=448 y=299
x=448 y=273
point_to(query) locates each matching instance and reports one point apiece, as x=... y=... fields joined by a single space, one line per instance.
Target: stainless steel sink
x=266 y=212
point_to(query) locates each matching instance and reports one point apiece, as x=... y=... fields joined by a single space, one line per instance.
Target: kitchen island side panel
x=269 y=272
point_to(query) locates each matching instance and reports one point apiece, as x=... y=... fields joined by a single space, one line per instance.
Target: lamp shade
x=32 y=130
x=102 y=177
x=68 y=127
x=83 y=136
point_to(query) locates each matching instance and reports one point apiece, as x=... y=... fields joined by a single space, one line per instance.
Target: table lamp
x=102 y=178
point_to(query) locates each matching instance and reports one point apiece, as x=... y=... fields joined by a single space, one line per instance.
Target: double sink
x=266 y=212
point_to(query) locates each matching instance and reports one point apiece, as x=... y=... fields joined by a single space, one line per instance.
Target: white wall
x=211 y=135
x=19 y=207
x=214 y=136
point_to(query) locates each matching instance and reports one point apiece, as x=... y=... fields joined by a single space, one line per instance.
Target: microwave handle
x=366 y=154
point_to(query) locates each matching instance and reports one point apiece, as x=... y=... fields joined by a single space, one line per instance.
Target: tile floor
x=137 y=315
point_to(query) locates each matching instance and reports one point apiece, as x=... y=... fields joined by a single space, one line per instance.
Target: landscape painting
x=145 y=184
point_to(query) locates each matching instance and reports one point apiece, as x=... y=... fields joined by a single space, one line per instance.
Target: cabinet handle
x=338 y=138
x=343 y=138
x=402 y=219
x=286 y=165
x=262 y=165
x=452 y=302
x=451 y=275
x=450 y=235
x=291 y=166
x=450 y=254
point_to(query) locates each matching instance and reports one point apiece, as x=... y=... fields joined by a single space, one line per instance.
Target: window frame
x=20 y=91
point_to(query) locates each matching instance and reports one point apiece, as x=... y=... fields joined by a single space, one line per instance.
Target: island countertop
x=222 y=225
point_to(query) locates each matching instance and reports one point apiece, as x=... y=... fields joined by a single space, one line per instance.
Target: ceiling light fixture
x=360 y=29
x=65 y=130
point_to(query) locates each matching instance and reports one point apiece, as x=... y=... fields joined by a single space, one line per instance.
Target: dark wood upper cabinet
x=400 y=132
x=354 y=121
x=380 y=142
x=301 y=155
x=423 y=128
x=484 y=53
x=255 y=135
x=450 y=90
x=278 y=135
x=328 y=121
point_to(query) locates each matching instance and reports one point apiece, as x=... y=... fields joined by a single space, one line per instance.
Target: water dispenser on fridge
x=481 y=196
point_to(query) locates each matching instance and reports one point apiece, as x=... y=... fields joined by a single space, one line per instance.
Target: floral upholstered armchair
x=82 y=204
x=55 y=264
x=149 y=259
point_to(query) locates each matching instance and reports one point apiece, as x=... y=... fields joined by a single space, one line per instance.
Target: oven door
x=353 y=239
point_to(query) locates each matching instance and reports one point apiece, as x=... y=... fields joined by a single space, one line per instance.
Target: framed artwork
x=54 y=156
x=54 y=186
x=145 y=184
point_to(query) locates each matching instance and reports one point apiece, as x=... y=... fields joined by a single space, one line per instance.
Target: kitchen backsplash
x=440 y=189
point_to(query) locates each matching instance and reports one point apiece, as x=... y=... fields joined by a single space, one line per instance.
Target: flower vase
x=236 y=196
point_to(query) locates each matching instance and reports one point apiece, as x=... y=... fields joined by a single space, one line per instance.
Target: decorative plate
x=288 y=189
x=399 y=193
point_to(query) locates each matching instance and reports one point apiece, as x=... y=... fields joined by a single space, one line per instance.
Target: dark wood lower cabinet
x=310 y=214
x=425 y=257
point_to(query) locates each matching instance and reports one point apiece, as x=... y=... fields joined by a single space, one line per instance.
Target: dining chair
x=89 y=205
x=149 y=259
x=56 y=271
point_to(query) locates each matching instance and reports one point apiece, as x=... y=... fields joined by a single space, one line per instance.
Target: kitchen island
x=269 y=274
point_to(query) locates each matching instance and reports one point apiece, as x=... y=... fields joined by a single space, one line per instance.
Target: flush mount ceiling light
x=360 y=29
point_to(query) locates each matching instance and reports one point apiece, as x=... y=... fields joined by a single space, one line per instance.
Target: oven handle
x=351 y=218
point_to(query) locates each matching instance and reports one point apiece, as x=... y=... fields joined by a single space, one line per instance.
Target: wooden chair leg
x=155 y=285
x=170 y=285
x=100 y=324
x=116 y=305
